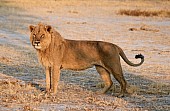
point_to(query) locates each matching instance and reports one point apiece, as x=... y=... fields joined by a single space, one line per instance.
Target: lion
x=56 y=53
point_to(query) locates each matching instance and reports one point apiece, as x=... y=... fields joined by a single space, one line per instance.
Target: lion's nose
x=37 y=42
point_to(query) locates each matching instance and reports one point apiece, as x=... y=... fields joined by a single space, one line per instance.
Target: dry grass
x=146 y=13
x=26 y=97
x=16 y=94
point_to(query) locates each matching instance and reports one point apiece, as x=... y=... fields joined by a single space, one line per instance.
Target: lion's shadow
x=91 y=80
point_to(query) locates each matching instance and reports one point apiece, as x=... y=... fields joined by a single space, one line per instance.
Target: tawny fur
x=56 y=53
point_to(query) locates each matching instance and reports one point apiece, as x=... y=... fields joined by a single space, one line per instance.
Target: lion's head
x=40 y=36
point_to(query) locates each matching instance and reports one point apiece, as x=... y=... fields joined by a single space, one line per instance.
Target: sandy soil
x=22 y=79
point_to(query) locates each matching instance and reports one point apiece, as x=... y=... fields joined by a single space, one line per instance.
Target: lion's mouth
x=37 y=47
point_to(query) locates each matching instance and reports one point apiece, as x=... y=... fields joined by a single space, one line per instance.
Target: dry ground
x=22 y=78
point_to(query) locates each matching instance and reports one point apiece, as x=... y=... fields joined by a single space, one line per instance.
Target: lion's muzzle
x=37 y=44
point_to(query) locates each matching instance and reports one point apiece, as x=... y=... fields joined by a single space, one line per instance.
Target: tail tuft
x=139 y=56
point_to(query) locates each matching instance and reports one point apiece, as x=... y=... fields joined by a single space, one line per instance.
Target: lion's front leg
x=48 y=78
x=55 y=78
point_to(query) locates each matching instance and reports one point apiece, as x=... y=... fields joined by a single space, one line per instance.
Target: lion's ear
x=31 y=27
x=48 y=28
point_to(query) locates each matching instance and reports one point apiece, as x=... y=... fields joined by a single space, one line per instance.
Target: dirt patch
x=144 y=28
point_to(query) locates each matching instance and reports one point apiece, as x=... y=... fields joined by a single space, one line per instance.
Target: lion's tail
x=122 y=54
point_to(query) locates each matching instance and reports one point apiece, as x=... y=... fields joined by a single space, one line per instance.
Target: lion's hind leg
x=118 y=75
x=105 y=75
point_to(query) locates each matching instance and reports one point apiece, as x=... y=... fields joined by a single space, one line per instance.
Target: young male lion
x=55 y=53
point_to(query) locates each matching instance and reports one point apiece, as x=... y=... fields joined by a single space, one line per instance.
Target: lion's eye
x=42 y=36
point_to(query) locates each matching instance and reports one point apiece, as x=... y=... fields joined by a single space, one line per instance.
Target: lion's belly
x=77 y=65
